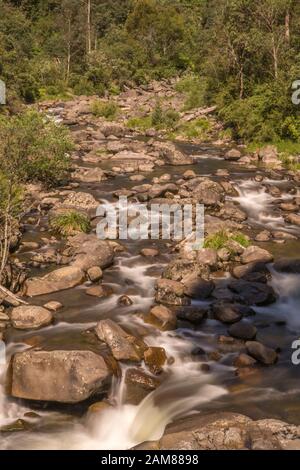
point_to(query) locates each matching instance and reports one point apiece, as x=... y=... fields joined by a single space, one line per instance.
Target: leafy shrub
x=108 y=110
x=290 y=128
x=70 y=223
x=194 y=88
x=34 y=148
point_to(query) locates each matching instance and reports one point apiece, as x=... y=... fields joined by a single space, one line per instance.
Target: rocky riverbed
x=155 y=344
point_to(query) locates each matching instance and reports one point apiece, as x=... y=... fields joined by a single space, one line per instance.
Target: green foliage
x=140 y=123
x=109 y=110
x=196 y=129
x=70 y=223
x=220 y=240
x=194 y=89
x=33 y=148
x=290 y=128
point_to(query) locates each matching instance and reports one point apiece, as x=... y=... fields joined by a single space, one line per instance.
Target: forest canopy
x=241 y=55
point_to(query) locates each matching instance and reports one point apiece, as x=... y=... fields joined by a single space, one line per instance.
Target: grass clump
x=109 y=110
x=220 y=239
x=139 y=123
x=70 y=223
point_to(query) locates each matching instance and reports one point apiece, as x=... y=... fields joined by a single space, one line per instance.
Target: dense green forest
x=241 y=55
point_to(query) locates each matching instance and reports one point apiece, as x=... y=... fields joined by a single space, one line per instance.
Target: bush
x=108 y=110
x=194 y=88
x=164 y=118
x=34 y=148
x=70 y=223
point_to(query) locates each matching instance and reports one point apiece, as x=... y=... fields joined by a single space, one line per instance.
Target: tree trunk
x=287 y=26
x=89 y=29
x=275 y=57
x=68 y=51
x=241 y=83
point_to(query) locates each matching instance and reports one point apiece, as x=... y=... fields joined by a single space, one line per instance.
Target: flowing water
x=186 y=387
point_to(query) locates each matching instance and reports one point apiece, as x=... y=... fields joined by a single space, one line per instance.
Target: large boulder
x=269 y=155
x=226 y=312
x=58 y=376
x=233 y=155
x=261 y=353
x=60 y=279
x=253 y=293
x=255 y=254
x=170 y=293
x=30 y=317
x=109 y=129
x=88 y=251
x=89 y=175
x=81 y=200
x=138 y=385
x=226 y=431
x=171 y=155
x=162 y=317
x=124 y=346
x=206 y=191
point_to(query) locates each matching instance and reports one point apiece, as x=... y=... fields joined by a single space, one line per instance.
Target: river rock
x=224 y=431
x=247 y=270
x=233 y=155
x=138 y=385
x=244 y=360
x=89 y=175
x=125 y=301
x=155 y=358
x=53 y=306
x=253 y=293
x=163 y=317
x=232 y=212
x=255 y=254
x=263 y=236
x=149 y=252
x=89 y=251
x=206 y=191
x=112 y=129
x=243 y=330
x=170 y=293
x=98 y=291
x=95 y=273
x=30 y=317
x=293 y=219
x=179 y=268
x=124 y=346
x=208 y=257
x=268 y=155
x=197 y=288
x=81 y=200
x=261 y=353
x=194 y=315
x=227 y=313
x=60 y=279
x=171 y=155
x=59 y=376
